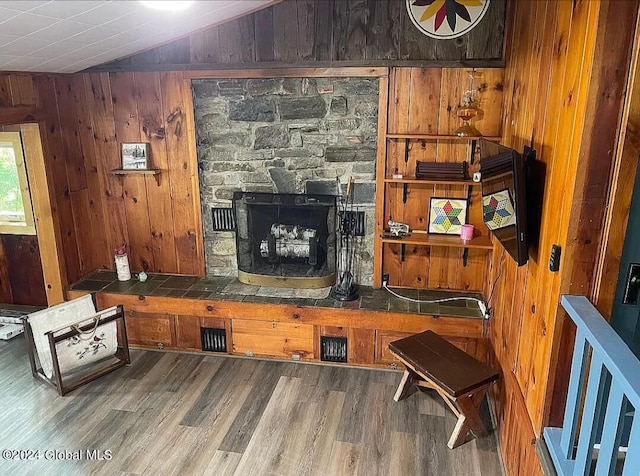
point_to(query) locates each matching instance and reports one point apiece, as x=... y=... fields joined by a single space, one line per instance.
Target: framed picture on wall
x=447 y=215
x=135 y=156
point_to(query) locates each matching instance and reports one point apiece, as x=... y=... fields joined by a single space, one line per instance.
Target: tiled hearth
x=168 y=285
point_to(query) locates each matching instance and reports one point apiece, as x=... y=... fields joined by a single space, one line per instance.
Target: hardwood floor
x=171 y=413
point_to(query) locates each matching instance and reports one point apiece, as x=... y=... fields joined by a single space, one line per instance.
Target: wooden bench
x=459 y=379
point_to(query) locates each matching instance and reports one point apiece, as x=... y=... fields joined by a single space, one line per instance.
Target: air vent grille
x=354 y=222
x=333 y=349
x=223 y=219
x=213 y=340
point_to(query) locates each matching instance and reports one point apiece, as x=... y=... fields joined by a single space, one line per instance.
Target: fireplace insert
x=285 y=240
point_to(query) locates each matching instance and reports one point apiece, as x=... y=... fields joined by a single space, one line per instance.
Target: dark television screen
x=504 y=197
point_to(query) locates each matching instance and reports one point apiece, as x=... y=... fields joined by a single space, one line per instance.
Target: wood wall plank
x=306 y=29
x=486 y=42
x=56 y=168
x=6 y=294
x=176 y=52
x=517 y=439
x=24 y=269
x=107 y=158
x=356 y=31
x=91 y=230
x=285 y=32
x=205 y=46
x=5 y=91
x=236 y=38
x=152 y=130
x=383 y=107
x=67 y=98
x=323 y=30
x=183 y=173
x=136 y=204
x=414 y=44
x=445 y=263
x=22 y=89
x=398 y=110
x=264 y=30
x=145 y=58
x=425 y=87
x=383 y=39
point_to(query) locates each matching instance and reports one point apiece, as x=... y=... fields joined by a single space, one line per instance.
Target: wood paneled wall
x=86 y=118
x=565 y=83
x=21 y=278
x=306 y=32
x=32 y=93
x=425 y=101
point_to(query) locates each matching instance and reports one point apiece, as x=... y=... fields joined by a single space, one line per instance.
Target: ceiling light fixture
x=167 y=5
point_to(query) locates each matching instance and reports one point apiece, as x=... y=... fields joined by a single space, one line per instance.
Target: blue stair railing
x=604 y=392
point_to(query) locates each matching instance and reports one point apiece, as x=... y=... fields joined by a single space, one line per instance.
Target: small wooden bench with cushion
x=461 y=380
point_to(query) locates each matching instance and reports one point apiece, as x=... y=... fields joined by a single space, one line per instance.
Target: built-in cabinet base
x=282 y=331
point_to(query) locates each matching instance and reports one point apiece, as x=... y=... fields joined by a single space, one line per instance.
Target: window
x=16 y=215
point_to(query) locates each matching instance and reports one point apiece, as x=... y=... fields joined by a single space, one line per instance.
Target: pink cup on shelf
x=466 y=232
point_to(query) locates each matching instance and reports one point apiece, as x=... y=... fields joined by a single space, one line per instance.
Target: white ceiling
x=69 y=36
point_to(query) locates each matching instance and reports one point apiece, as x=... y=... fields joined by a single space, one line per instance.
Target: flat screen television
x=504 y=197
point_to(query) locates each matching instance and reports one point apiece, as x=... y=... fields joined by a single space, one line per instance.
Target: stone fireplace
x=285 y=136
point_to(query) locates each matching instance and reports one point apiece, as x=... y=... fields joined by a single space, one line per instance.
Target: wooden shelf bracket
x=121 y=173
x=474 y=144
x=406 y=151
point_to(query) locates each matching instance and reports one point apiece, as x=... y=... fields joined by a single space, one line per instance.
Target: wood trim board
x=351 y=318
x=287 y=73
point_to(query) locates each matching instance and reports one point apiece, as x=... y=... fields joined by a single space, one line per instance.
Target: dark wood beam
x=274 y=65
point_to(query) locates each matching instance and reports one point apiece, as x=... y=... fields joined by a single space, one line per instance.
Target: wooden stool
x=459 y=379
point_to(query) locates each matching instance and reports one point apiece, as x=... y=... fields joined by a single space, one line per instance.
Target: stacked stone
x=285 y=135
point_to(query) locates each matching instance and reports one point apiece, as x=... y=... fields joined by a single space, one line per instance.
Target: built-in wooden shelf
x=449 y=241
x=135 y=172
x=121 y=173
x=410 y=179
x=440 y=137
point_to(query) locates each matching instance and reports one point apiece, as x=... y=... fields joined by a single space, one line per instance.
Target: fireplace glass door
x=285 y=239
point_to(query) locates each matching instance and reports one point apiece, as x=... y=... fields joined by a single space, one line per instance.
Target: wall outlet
x=385 y=279
x=554 y=258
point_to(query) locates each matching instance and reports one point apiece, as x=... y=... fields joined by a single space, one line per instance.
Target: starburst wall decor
x=461 y=16
x=447 y=215
x=497 y=209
